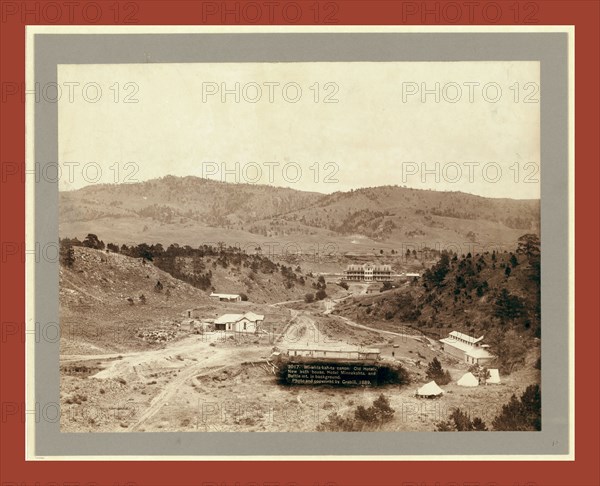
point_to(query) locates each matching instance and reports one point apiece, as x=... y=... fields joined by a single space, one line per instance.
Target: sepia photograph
x=300 y=246
x=320 y=243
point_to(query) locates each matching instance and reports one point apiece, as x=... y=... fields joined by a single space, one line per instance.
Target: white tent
x=468 y=379
x=431 y=389
x=494 y=378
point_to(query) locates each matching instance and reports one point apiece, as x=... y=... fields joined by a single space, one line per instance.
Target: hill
x=194 y=211
x=96 y=315
x=496 y=294
x=392 y=213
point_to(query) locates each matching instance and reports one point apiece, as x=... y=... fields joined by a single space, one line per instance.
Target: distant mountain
x=191 y=210
x=172 y=199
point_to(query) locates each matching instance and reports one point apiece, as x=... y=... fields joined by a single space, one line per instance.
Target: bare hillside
x=96 y=316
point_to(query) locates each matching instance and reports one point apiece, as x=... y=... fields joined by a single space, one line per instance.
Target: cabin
x=467 y=348
x=226 y=297
x=350 y=353
x=245 y=323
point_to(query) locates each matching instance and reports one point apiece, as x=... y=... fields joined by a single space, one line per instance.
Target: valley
x=216 y=381
x=141 y=350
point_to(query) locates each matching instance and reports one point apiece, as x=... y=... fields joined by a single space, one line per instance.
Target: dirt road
x=171 y=388
x=331 y=304
x=190 y=357
x=381 y=331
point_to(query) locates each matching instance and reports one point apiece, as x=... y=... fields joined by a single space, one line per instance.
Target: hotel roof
x=457 y=344
x=465 y=337
x=380 y=268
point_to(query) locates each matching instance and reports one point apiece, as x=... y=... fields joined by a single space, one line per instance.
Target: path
x=170 y=388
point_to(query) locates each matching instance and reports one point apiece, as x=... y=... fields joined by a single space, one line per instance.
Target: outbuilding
x=226 y=297
x=480 y=356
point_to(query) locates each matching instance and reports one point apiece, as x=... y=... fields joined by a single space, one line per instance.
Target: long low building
x=368 y=273
x=467 y=348
x=226 y=297
x=333 y=353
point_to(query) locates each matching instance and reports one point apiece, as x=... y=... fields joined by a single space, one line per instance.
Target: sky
x=453 y=126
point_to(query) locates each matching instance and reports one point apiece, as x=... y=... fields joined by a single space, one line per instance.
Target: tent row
x=432 y=390
x=469 y=379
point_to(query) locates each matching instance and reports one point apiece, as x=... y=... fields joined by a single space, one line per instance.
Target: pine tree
x=436 y=372
x=67 y=254
x=508 y=307
x=521 y=414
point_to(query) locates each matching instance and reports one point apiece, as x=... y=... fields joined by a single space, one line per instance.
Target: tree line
x=185 y=262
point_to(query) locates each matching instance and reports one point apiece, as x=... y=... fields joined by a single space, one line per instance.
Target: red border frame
x=582 y=472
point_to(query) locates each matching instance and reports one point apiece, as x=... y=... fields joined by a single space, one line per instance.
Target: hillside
x=474 y=294
x=97 y=317
x=392 y=213
x=194 y=211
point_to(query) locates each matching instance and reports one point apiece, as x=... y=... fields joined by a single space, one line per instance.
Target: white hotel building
x=368 y=273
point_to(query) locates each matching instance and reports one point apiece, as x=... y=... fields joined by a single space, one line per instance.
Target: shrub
x=369 y=418
x=385 y=286
x=460 y=421
x=321 y=294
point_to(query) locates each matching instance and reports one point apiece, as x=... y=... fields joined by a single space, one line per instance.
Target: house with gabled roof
x=248 y=322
